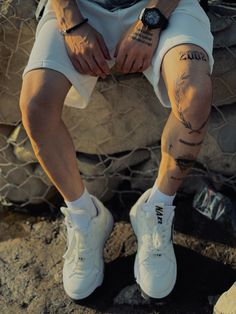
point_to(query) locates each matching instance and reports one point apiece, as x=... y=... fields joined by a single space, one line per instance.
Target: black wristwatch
x=153 y=18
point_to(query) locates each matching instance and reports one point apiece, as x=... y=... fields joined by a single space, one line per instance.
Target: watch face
x=152 y=18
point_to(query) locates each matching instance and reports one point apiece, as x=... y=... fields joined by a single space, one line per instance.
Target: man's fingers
x=120 y=60
x=100 y=66
x=103 y=47
x=137 y=65
x=101 y=62
x=94 y=67
x=85 y=67
x=146 y=64
x=117 y=50
x=78 y=66
x=128 y=65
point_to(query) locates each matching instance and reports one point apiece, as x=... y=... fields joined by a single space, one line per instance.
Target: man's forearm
x=166 y=7
x=67 y=13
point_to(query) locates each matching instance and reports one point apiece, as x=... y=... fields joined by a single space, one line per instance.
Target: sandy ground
x=31 y=249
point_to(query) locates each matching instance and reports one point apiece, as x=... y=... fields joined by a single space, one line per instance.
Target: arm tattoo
x=189 y=143
x=142 y=36
x=178 y=93
x=192 y=55
x=185 y=162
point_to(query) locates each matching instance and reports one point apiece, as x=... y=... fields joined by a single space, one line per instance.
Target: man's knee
x=42 y=98
x=38 y=111
x=192 y=99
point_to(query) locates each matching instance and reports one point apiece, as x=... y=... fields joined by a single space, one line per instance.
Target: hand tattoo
x=143 y=36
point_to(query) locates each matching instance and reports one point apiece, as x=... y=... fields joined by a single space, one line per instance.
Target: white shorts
x=188 y=24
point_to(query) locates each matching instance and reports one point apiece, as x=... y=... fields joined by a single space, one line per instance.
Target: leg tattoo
x=180 y=85
x=185 y=162
x=192 y=55
x=190 y=143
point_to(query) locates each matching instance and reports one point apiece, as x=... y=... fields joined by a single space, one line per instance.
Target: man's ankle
x=84 y=202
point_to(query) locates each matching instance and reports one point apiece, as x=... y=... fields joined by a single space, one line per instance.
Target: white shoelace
x=159 y=236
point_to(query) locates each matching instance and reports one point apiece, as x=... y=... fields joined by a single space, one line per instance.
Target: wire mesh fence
x=117 y=137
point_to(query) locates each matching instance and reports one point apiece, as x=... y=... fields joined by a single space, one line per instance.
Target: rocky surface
x=31 y=250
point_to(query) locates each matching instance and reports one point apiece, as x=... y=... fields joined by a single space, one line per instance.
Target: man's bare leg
x=41 y=102
x=186 y=74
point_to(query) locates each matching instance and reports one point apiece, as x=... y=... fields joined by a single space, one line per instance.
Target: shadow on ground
x=198 y=278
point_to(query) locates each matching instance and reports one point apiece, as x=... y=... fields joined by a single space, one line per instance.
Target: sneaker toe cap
x=158 y=284
x=79 y=287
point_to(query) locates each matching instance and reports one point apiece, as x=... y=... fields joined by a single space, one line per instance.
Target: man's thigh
x=46 y=88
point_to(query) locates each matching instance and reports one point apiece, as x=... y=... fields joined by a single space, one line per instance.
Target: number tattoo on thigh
x=192 y=55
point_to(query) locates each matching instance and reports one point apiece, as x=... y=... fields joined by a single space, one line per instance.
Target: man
x=79 y=41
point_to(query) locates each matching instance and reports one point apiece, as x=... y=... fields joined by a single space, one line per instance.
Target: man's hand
x=135 y=50
x=87 y=51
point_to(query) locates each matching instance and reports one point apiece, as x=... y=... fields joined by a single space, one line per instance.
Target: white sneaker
x=84 y=265
x=155 y=263
x=227 y=302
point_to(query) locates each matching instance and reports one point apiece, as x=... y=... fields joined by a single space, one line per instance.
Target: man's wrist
x=166 y=7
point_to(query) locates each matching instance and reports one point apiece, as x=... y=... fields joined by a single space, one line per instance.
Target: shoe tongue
x=80 y=218
x=159 y=212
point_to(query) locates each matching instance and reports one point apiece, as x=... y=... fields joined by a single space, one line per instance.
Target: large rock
x=122 y=115
x=16 y=39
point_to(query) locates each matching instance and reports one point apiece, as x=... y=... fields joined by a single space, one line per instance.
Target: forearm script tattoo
x=143 y=37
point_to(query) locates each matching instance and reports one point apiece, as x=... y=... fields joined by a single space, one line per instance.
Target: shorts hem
x=181 y=40
x=69 y=76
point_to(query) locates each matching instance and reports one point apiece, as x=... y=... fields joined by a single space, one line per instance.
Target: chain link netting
x=117 y=137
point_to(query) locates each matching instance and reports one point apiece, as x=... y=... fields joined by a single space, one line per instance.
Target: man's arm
x=134 y=53
x=85 y=46
x=67 y=13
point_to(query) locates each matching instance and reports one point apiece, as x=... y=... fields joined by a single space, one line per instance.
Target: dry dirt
x=31 y=249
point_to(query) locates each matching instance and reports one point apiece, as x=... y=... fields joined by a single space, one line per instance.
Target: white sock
x=85 y=202
x=158 y=197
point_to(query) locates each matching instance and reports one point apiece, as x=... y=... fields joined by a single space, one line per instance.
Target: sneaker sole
x=100 y=277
